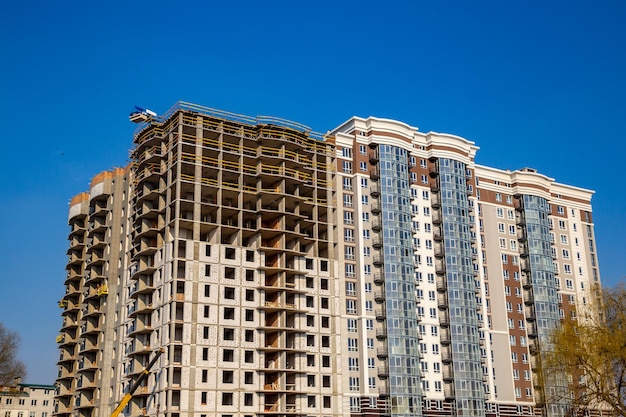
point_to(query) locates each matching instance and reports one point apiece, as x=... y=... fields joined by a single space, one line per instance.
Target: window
x=310 y=400
x=347 y=167
x=353 y=384
x=249 y=315
x=347 y=183
x=249 y=275
x=369 y=324
x=362 y=149
x=227 y=398
x=228 y=355
x=351 y=289
x=353 y=364
x=249 y=336
x=348 y=217
x=229 y=293
x=347 y=200
x=346 y=152
x=353 y=345
x=248 y=377
x=247 y=399
x=227 y=377
x=229 y=313
x=348 y=235
x=500 y=212
x=349 y=252
x=363 y=166
x=501 y=227
x=325 y=341
x=350 y=273
x=229 y=334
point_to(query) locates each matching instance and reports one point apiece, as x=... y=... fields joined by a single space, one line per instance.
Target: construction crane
x=141 y=115
x=136 y=385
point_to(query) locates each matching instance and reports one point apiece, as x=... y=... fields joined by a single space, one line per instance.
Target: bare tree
x=592 y=351
x=10 y=366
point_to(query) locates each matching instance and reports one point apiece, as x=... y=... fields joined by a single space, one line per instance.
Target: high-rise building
x=376 y=270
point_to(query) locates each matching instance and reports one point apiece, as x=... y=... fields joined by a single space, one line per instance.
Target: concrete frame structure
x=374 y=271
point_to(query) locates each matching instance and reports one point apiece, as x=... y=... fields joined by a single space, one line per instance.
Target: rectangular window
x=227 y=398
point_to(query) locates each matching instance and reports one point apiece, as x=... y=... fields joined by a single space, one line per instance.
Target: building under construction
x=376 y=270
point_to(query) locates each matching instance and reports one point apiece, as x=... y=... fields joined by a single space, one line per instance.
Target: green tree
x=592 y=352
x=10 y=366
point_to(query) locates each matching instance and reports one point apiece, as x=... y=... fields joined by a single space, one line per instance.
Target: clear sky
x=533 y=83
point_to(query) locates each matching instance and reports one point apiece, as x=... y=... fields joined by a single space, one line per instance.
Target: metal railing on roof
x=228 y=116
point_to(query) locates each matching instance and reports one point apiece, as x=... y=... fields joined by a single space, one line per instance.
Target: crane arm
x=127 y=397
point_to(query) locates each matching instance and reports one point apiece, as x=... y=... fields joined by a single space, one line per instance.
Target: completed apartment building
x=376 y=270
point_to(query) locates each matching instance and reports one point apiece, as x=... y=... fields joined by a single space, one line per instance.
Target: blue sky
x=539 y=84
